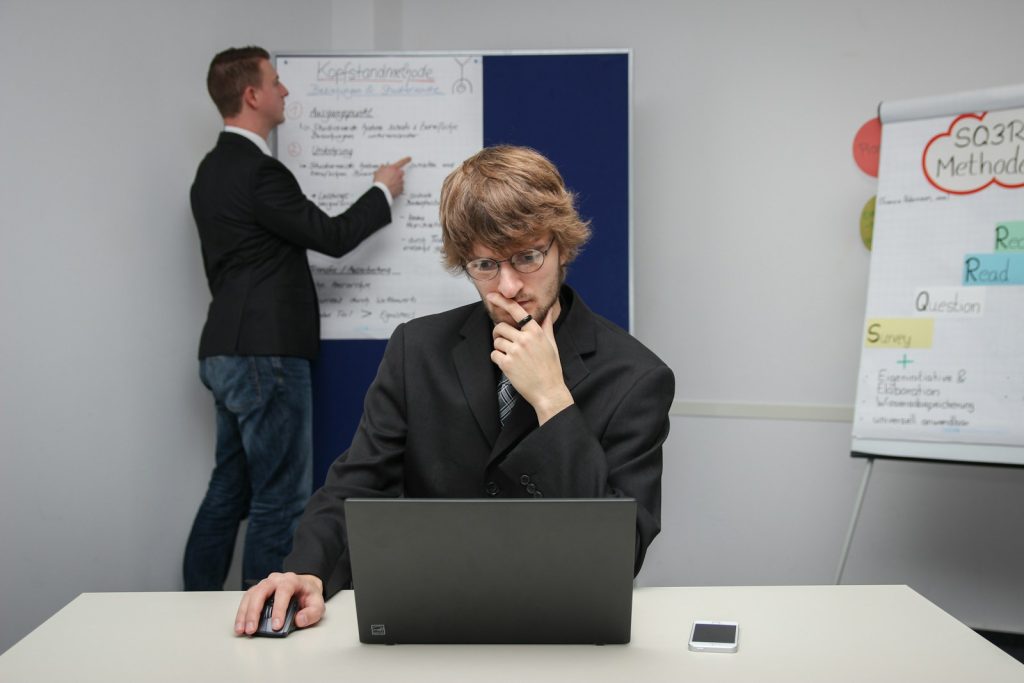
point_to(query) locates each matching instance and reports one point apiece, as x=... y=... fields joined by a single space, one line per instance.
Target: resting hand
x=307 y=588
x=529 y=358
x=393 y=176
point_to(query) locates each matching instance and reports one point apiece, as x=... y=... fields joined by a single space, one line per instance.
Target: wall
x=750 y=278
x=105 y=431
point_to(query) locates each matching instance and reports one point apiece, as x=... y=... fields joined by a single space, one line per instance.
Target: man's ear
x=249 y=97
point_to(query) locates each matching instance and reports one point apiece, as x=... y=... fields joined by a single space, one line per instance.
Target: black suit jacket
x=255 y=226
x=430 y=429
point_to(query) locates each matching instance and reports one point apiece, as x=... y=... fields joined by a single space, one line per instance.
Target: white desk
x=824 y=634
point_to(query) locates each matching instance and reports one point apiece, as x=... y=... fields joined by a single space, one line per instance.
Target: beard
x=539 y=304
x=539 y=312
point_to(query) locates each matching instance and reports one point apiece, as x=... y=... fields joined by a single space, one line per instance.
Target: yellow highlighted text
x=899 y=333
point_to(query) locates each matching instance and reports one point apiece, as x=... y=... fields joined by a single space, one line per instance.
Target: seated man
x=527 y=393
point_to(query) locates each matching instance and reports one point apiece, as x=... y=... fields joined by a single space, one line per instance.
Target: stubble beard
x=499 y=315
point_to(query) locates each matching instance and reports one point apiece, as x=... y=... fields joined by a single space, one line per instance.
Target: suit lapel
x=476 y=372
x=576 y=340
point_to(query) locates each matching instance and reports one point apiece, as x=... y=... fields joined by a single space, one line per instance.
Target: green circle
x=867 y=223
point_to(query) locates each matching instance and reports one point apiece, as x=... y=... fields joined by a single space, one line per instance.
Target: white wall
x=750 y=277
x=106 y=433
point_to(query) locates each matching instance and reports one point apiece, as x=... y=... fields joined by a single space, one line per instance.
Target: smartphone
x=714 y=636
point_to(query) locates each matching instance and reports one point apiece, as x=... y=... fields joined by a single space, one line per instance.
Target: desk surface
x=790 y=633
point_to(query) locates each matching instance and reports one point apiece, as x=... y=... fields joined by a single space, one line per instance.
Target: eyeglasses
x=528 y=261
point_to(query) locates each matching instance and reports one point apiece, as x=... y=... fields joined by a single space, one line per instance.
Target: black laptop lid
x=492 y=571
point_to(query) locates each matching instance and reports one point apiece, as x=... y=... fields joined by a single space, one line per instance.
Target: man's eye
x=484 y=264
x=527 y=257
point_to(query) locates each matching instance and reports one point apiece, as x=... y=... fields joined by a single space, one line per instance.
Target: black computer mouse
x=266 y=627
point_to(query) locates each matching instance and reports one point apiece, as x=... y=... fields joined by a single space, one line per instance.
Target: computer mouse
x=266 y=628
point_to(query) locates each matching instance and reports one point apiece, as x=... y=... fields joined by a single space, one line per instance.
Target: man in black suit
x=590 y=403
x=263 y=325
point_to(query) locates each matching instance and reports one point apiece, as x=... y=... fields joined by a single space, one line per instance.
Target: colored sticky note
x=1010 y=236
x=867 y=223
x=992 y=270
x=899 y=333
x=866 y=145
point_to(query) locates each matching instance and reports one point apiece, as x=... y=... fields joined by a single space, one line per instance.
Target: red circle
x=866 y=145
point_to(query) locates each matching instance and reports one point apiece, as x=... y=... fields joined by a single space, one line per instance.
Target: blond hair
x=503 y=196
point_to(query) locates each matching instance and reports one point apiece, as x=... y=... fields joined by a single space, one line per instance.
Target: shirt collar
x=253 y=137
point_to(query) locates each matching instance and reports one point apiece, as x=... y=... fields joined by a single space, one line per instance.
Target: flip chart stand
x=853 y=520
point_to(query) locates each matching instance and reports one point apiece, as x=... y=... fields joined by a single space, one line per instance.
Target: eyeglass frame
x=511 y=261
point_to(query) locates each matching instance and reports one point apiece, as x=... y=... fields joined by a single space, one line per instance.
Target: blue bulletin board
x=574 y=107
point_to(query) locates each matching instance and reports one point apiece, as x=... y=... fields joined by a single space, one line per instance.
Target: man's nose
x=509 y=282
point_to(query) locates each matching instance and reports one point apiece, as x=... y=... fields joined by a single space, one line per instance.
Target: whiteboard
x=942 y=363
x=345 y=117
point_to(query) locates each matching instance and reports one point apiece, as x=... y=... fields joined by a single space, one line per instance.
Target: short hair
x=502 y=196
x=231 y=72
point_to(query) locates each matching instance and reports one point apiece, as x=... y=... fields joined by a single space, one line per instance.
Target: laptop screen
x=492 y=571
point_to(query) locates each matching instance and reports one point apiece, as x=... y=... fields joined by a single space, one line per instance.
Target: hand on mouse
x=307 y=588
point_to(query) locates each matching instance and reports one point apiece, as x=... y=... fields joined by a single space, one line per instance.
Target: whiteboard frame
x=939 y=451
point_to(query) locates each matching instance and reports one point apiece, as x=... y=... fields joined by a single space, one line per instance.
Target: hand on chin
x=500 y=315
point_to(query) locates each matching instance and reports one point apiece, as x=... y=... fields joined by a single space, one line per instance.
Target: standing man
x=263 y=325
x=526 y=393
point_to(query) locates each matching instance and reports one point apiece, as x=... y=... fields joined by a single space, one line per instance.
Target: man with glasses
x=526 y=394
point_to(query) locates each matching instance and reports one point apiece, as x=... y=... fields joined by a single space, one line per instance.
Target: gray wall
x=750 y=278
x=105 y=431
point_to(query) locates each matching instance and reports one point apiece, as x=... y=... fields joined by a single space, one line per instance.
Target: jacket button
x=531 y=489
x=524 y=480
x=492 y=489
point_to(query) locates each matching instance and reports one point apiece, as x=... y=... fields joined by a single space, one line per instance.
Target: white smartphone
x=714 y=636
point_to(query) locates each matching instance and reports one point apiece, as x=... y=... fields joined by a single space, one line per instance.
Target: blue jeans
x=264 y=467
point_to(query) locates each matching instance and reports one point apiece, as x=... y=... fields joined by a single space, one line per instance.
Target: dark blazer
x=255 y=226
x=430 y=429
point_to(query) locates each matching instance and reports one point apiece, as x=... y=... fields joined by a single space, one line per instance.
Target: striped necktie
x=506 y=398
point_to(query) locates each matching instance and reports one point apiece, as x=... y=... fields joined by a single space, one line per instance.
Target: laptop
x=492 y=571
